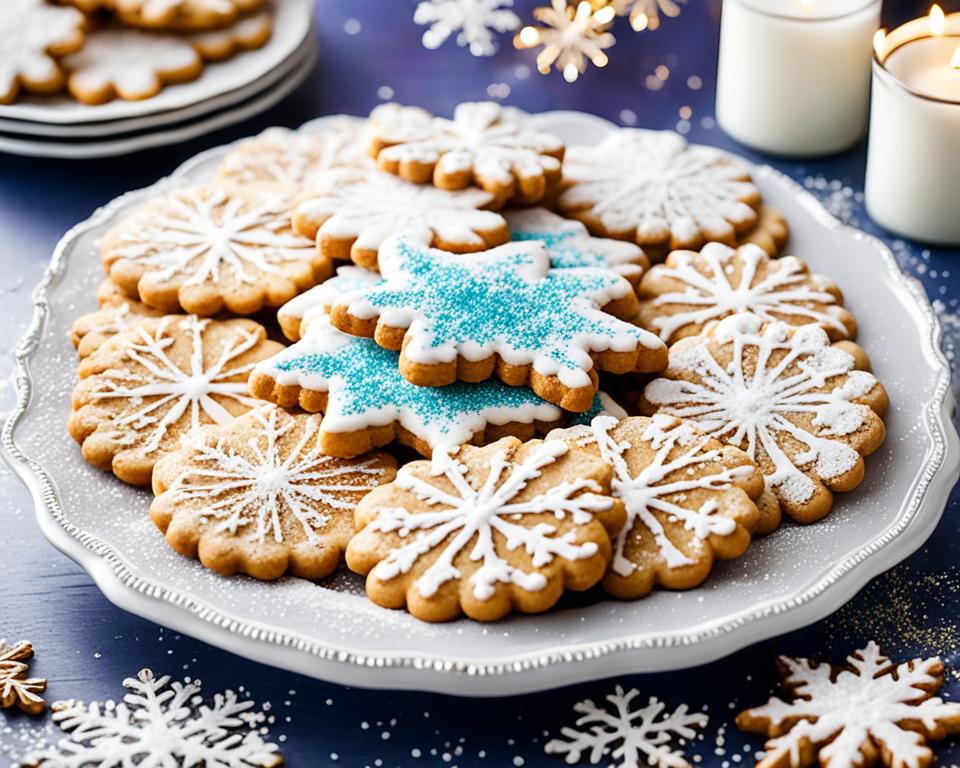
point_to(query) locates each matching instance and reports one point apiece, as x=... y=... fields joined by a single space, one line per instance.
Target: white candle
x=913 y=158
x=794 y=75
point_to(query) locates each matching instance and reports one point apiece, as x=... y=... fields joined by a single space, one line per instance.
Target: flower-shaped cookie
x=678 y=298
x=91 y=330
x=207 y=248
x=32 y=32
x=179 y=15
x=689 y=499
x=655 y=189
x=351 y=212
x=502 y=313
x=484 y=144
x=485 y=531
x=783 y=394
x=259 y=496
x=770 y=232
x=247 y=34
x=146 y=387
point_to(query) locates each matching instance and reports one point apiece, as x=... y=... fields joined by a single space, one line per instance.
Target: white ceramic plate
x=79 y=149
x=331 y=631
x=291 y=23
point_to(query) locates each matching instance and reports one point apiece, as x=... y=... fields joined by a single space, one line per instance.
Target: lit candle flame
x=879 y=38
x=937 y=21
x=955 y=61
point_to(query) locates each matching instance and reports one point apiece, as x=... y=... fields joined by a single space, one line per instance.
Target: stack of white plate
x=226 y=93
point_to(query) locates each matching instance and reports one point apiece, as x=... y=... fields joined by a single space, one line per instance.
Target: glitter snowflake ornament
x=16 y=689
x=623 y=737
x=161 y=723
x=474 y=21
x=869 y=710
x=571 y=35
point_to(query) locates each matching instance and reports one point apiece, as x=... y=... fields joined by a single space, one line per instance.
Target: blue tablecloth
x=370 y=51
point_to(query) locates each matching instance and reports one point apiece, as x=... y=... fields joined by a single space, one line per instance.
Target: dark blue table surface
x=86 y=646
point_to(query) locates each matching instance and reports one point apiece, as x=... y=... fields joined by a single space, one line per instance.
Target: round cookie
x=207 y=248
x=259 y=496
x=32 y=32
x=689 y=500
x=146 y=387
x=181 y=15
x=678 y=298
x=484 y=144
x=797 y=405
x=655 y=189
x=504 y=313
x=91 y=330
x=485 y=531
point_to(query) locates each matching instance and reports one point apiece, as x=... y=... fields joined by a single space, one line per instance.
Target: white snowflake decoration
x=842 y=713
x=201 y=231
x=473 y=20
x=647 y=492
x=160 y=723
x=632 y=737
x=468 y=513
x=572 y=35
x=259 y=489
x=161 y=392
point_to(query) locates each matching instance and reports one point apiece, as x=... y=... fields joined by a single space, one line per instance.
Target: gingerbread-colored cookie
x=181 y=15
x=771 y=231
x=689 y=500
x=298 y=313
x=148 y=386
x=91 y=330
x=246 y=34
x=486 y=531
x=503 y=313
x=207 y=248
x=259 y=496
x=484 y=145
x=678 y=298
x=783 y=394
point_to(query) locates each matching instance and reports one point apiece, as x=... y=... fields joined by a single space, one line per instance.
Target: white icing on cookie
x=655 y=184
x=320 y=298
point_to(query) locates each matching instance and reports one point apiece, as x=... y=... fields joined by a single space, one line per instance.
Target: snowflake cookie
x=179 y=15
x=678 y=298
x=484 y=144
x=868 y=711
x=247 y=34
x=474 y=21
x=298 y=313
x=783 y=394
x=146 y=387
x=483 y=531
x=367 y=404
x=653 y=188
x=16 y=689
x=689 y=499
x=632 y=737
x=350 y=212
x=501 y=313
x=770 y=232
x=570 y=245
x=259 y=496
x=32 y=32
x=161 y=723
x=90 y=331
x=208 y=248
x=289 y=158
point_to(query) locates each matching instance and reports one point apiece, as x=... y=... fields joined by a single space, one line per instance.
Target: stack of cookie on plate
x=471 y=290
x=99 y=50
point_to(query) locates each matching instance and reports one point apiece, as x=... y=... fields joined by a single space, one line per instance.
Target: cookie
x=771 y=231
x=109 y=295
x=259 y=496
x=350 y=212
x=367 y=404
x=146 y=387
x=678 y=298
x=484 y=145
x=181 y=15
x=689 y=500
x=570 y=245
x=206 y=248
x=247 y=34
x=654 y=189
x=486 y=531
x=300 y=311
x=795 y=404
x=117 y=62
x=289 y=158
x=32 y=32
x=91 y=330
x=501 y=313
